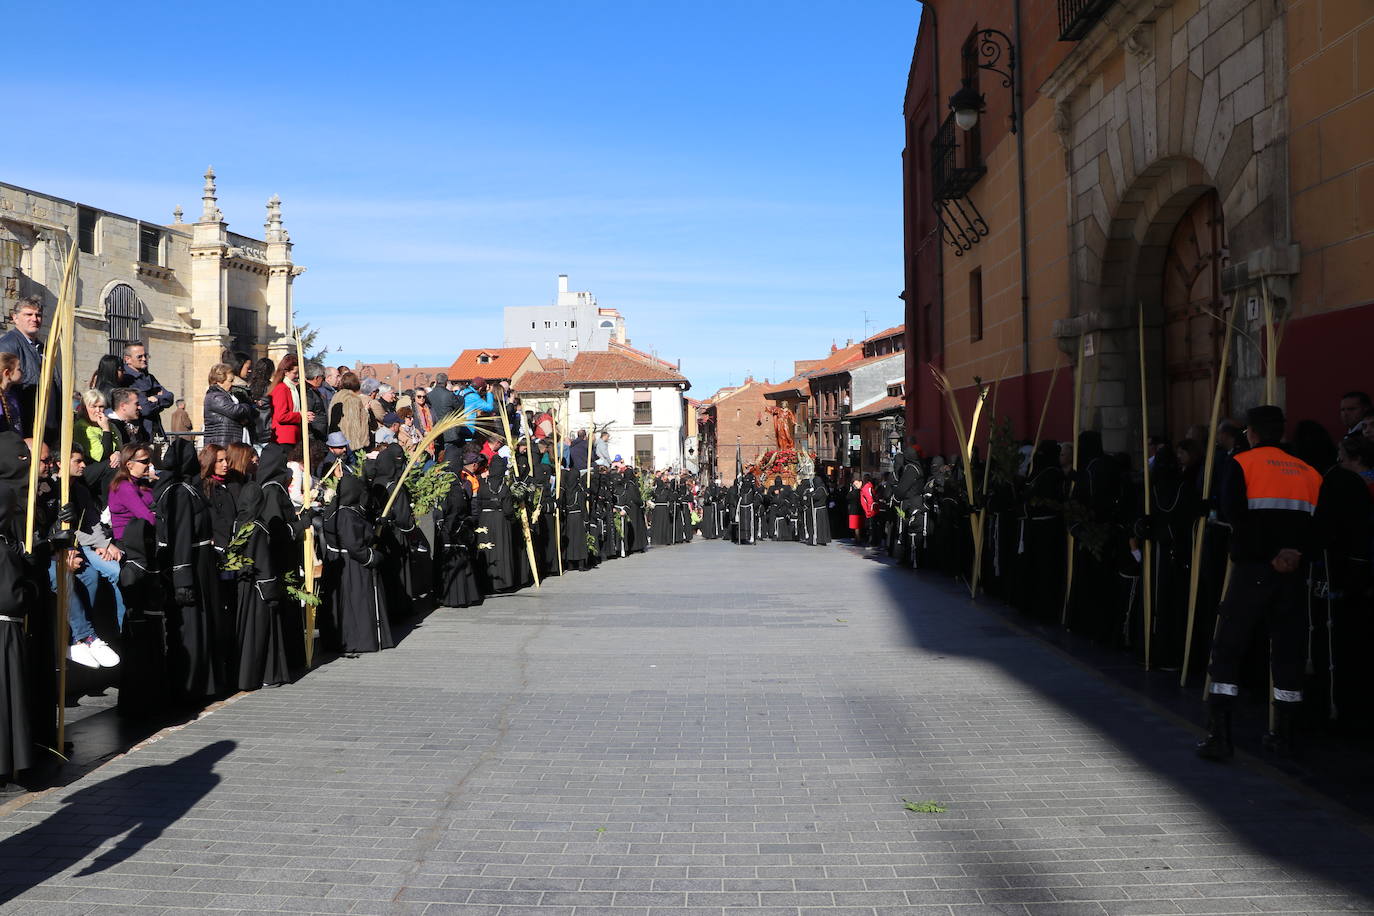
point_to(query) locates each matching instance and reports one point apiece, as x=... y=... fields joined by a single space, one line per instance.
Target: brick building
x=1168 y=157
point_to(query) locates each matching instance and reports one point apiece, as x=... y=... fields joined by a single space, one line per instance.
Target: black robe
x=574 y=498
x=144 y=690
x=495 y=507
x=455 y=570
x=264 y=622
x=353 y=585
x=813 y=513
x=198 y=642
x=661 y=515
x=17 y=594
x=394 y=535
x=746 y=511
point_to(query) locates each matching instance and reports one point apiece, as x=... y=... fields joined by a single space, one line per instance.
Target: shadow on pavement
x=136 y=805
x=1271 y=818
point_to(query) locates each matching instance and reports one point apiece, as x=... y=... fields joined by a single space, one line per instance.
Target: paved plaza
x=699 y=730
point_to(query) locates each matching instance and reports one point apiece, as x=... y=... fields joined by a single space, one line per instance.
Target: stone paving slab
x=700 y=731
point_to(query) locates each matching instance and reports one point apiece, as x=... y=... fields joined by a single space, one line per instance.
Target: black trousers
x=1261 y=596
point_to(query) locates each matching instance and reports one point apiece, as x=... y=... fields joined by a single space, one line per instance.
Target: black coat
x=226 y=417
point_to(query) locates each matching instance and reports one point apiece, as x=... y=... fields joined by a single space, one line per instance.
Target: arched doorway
x=1192 y=305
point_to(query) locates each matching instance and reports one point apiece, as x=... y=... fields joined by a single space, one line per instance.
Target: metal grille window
x=123 y=317
x=150 y=245
x=644 y=452
x=243 y=329
x=644 y=408
x=975 y=304
x=587 y=401
x=87 y=223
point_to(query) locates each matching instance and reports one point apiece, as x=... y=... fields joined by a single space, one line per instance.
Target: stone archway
x=1151 y=120
x=1191 y=304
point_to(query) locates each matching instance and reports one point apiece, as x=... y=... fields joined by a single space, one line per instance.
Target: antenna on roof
x=868 y=324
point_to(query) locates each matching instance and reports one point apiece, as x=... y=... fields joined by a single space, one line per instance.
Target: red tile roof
x=553 y=362
x=592 y=367
x=890 y=332
x=854 y=364
x=628 y=350
x=504 y=363
x=537 y=381
x=880 y=406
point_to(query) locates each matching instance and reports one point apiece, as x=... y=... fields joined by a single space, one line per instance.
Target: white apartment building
x=574 y=322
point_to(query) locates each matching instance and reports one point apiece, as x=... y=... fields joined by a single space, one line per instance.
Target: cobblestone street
x=695 y=730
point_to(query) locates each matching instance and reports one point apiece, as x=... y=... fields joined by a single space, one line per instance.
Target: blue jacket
x=472 y=401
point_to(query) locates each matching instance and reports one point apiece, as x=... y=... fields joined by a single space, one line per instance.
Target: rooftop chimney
x=562 y=283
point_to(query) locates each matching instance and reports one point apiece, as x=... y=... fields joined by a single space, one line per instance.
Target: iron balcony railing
x=1076 y=17
x=955 y=169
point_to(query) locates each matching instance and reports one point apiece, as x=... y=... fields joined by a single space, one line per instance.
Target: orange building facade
x=1171 y=158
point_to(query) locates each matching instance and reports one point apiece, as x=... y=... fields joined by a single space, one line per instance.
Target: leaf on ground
x=842 y=620
x=924 y=807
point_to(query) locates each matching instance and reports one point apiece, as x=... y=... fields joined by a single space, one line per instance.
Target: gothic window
x=123 y=318
x=243 y=330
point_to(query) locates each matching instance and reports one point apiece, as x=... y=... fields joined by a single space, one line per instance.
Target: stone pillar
x=280 y=319
x=208 y=312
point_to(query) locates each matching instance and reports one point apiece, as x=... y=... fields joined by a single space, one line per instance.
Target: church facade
x=188 y=290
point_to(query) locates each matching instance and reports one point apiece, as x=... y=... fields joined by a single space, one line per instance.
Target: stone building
x=1174 y=157
x=189 y=290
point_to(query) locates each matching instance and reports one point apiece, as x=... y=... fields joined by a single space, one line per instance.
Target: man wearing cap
x=1268 y=497
x=338 y=455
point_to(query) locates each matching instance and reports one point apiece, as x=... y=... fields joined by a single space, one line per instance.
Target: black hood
x=272 y=466
x=15 y=459
x=497 y=468
x=177 y=465
x=387 y=468
x=250 y=502
x=351 y=490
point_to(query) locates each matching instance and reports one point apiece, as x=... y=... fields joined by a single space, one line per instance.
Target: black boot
x=1280 y=741
x=1217 y=745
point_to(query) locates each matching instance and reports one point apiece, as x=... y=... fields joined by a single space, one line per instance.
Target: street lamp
x=968 y=103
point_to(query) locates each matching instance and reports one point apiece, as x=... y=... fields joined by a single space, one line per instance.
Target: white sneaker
x=80 y=652
x=103 y=654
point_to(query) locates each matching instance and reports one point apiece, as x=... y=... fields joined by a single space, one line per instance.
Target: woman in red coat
x=286 y=402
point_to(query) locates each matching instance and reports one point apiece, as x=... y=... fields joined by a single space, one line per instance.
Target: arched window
x=123 y=318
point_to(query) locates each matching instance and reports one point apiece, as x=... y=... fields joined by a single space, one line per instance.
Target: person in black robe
x=709 y=526
x=394 y=531
x=636 y=525
x=906 y=503
x=683 y=512
x=495 y=506
x=354 y=585
x=286 y=529
x=456 y=571
x=574 y=497
x=781 y=502
x=746 y=510
x=18 y=593
x=661 y=513
x=545 y=531
x=1041 y=543
x=144 y=687
x=1095 y=495
x=814 y=511
x=198 y=650
x=261 y=593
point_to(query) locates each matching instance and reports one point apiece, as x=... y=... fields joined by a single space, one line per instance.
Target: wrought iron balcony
x=1076 y=17
x=955 y=170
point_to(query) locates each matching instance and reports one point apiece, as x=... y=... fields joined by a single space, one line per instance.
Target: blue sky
x=727 y=174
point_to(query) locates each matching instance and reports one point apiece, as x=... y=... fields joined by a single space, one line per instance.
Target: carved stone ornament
x=1061 y=123
x=1137 y=41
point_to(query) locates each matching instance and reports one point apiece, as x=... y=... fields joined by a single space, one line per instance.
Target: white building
x=574 y=322
x=188 y=290
x=637 y=398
